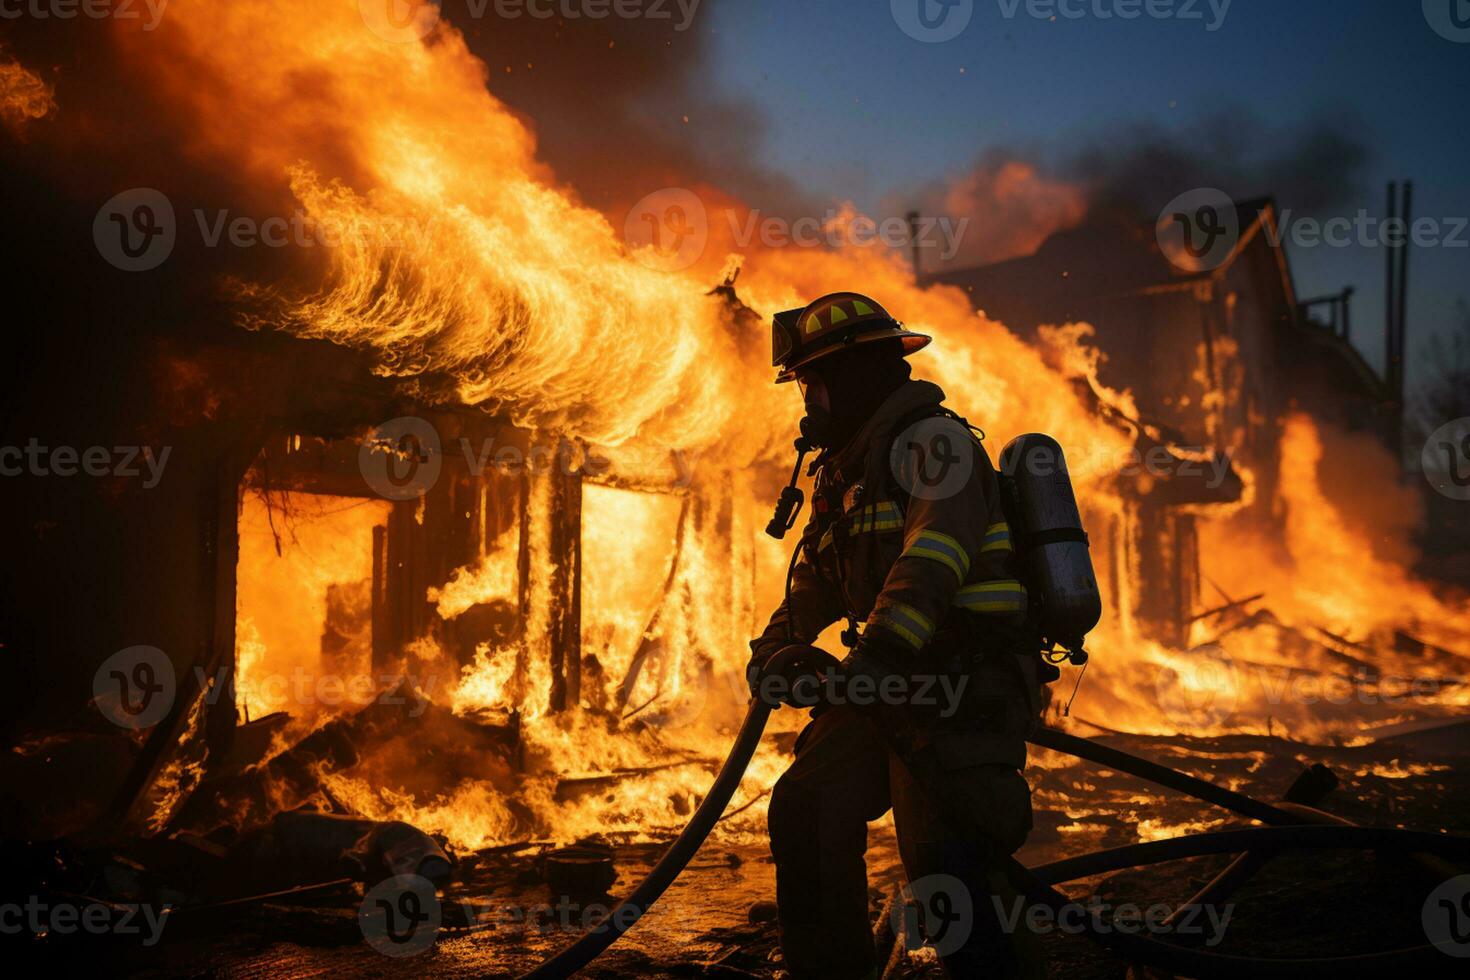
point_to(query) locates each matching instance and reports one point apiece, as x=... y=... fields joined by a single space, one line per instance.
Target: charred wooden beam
x=550 y=586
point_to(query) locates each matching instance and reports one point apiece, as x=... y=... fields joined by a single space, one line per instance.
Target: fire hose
x=1286 y=829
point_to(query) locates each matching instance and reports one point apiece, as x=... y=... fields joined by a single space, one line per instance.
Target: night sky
x=859 y=110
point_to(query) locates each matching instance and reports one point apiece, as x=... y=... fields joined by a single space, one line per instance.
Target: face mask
x=816 y=425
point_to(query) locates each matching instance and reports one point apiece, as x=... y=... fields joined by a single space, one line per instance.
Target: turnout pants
x=845 y=776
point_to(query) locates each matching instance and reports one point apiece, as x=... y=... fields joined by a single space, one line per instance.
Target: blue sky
x=858 y=109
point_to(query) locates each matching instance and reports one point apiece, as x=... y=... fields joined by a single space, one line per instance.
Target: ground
x=1302 y=905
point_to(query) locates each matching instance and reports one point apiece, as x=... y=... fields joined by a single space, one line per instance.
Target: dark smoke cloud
x=1310 y=166
x=1015 y=197
x=621 y=106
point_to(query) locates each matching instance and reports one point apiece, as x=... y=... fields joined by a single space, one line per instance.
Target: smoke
x=1009 y=207
x=622 y=106
x=1309 y=166
x=1012 y=200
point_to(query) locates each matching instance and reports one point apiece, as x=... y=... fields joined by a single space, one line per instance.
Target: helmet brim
x=911 y=342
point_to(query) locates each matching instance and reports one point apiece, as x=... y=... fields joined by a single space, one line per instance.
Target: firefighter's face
x=818 y=403
x=813 y=391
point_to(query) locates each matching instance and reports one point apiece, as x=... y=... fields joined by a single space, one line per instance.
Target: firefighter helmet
x=830 y=324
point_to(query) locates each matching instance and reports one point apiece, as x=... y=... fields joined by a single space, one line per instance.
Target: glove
x=793 y=663
x=873 y=658
x=762 y=649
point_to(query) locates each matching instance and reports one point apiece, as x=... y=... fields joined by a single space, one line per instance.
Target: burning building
x=1215 y=359
x=448 y=512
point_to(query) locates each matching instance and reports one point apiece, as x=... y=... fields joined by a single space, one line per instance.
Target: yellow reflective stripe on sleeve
x=882 y=516
x=997 y=538
x=879 y=518
x=1002 y=595
x=941 y=548
x=906 y=622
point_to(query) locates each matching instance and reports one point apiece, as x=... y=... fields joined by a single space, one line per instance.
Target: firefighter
x=906 y=536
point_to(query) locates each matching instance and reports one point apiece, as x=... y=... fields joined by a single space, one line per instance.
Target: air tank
x=1051 y=546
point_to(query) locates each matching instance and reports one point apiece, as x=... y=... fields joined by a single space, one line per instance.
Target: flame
x=24 y=96
x=494 y=577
